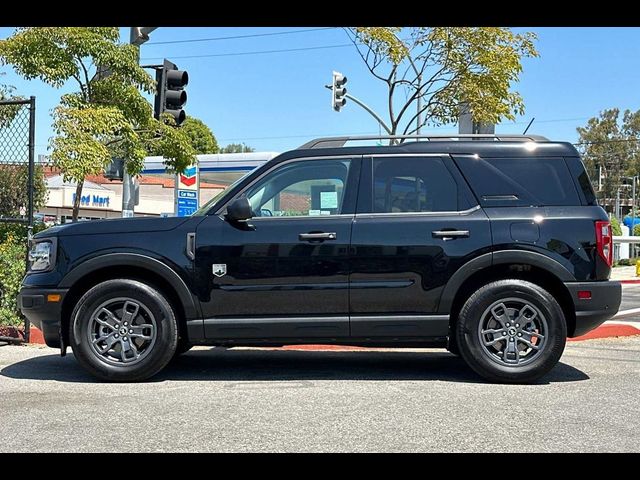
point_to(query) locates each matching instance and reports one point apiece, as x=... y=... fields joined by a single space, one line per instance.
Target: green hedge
x=12 y=267
x=13 y=247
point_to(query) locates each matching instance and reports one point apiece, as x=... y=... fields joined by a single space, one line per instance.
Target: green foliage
x=610 y=144
x=444 y=67
x=12 y=267
x=626 y=262
x=636 y=230
x=7 y=112
x=14 y=192
x=615 y=226
x=237 y=148
x=107 y=116
x=202 y=139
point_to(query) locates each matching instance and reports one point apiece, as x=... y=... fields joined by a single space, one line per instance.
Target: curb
x=635 y=281
x=36 y=336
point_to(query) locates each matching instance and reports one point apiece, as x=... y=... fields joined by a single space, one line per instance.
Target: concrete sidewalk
x=625 y=274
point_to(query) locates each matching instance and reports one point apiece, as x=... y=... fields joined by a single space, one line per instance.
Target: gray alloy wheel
x=512 y=331
x=122 y=331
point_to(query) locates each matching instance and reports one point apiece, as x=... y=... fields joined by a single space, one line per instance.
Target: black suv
x=491 y=246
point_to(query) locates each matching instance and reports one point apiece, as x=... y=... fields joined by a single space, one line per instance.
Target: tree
x=237 y=148
x=107 y=117
x=609 y=146
x=444 y=67
x=202 y=139
x=13 y=192
x=7 y=112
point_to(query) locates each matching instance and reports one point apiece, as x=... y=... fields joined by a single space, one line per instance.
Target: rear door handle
x=450 y=234
x=317 y=237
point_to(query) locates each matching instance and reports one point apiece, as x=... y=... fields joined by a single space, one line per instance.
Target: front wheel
x=123 y=330
x=511 y=331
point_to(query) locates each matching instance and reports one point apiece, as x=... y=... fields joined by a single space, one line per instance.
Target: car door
x=416 y=224
x=284 y=273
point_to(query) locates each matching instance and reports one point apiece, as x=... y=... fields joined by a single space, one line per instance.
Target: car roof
x=482 y=148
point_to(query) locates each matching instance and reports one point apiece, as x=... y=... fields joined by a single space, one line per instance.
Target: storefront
x=102 y=198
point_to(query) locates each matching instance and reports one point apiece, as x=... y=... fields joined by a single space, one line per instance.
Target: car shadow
x=220 y=364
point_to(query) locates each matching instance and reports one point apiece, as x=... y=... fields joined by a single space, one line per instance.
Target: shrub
x=615 y=226
x=12 y=268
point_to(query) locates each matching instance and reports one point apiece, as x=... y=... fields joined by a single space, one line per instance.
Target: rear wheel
x=123 y=330
x=511 y=331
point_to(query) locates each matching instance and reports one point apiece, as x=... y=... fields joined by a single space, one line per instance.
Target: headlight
x=42 y=255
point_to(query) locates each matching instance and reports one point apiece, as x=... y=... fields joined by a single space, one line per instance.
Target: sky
x=276 y=101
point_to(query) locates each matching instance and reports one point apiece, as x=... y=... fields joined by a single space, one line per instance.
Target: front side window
x=406 y=184
x=301 y=189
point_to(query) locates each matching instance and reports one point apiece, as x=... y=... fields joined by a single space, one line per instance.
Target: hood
x=115 y=225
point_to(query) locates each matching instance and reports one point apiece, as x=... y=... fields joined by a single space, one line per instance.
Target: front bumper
x=37 y=306
x=593 y=312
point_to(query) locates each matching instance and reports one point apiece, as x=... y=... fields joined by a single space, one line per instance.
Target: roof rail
x=333 y=142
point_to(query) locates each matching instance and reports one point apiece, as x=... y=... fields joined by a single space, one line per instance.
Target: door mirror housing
x=239 y=210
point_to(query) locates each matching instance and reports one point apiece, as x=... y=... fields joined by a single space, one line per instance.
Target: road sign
x=187 y=206
x=187 y=193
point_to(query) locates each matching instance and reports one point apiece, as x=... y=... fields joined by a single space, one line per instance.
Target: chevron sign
x=189 y=178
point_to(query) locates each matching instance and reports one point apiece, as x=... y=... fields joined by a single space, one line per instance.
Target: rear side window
x=580 y=175
x=420 y=184
x=539 y=181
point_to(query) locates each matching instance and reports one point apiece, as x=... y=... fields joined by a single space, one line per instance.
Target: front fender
x=135 y=260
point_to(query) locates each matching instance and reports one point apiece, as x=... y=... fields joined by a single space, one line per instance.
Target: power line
x=258 y=52
x=235 y=37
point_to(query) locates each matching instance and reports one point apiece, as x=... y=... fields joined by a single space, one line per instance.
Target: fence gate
x=17 y=149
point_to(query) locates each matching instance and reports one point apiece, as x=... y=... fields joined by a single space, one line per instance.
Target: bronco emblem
x=219 y=269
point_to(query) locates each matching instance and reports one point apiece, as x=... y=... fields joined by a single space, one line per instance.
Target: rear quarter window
x=521 y=181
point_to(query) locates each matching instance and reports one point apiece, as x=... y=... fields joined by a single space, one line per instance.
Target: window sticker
x=328 y=200
x=314 y=213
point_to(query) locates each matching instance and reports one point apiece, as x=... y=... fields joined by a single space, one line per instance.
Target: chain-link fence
x=17 y=144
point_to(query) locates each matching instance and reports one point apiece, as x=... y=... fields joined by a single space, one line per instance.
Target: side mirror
x=239 y=210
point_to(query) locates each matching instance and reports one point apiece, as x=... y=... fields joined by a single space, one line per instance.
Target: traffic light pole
x=367 y=108
x=138 y=35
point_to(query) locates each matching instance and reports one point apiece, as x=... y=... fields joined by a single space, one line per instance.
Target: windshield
x=205 y=208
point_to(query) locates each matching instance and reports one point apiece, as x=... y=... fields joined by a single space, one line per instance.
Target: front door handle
x=317 y=237
x=450 y=234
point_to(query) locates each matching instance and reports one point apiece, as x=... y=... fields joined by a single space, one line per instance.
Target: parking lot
x=254 y=400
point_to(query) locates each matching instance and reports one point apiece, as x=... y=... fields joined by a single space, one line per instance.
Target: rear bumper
x=36 y=306
x=593 y=312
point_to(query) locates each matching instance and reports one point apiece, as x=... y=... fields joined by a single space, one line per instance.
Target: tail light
x=604 y=240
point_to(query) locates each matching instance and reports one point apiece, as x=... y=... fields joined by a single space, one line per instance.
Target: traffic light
x=338 y=91
x=171 y=96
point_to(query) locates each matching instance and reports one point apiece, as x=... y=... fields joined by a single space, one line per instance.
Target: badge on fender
x=219 y=269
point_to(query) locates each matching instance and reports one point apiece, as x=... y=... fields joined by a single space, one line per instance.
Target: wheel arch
x=533 y=267
x=130 y=266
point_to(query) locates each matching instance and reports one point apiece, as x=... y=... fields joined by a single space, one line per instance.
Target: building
x=102 y=198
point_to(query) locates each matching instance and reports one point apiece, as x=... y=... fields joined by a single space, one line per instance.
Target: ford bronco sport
x=491 y=246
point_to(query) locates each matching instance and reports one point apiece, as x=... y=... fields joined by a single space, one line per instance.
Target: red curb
x=36 y=336
x=605 y=331
x=629 y=281
x=323 y=347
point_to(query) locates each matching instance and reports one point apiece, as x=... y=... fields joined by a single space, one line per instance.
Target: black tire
x=152 y=306
x=492 y=365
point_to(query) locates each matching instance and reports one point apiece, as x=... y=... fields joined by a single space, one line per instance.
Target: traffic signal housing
x=338 y=91
x=171 y=96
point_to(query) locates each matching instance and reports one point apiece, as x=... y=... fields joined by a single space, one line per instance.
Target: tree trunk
x=76 y=200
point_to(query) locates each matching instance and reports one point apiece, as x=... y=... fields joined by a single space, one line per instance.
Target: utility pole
x=138 y=35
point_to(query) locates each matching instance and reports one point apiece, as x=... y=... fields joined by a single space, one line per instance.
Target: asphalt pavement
x=630 y=296
x=255 y=400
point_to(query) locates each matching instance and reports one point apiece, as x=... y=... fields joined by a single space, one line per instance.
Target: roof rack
x=333 y=142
